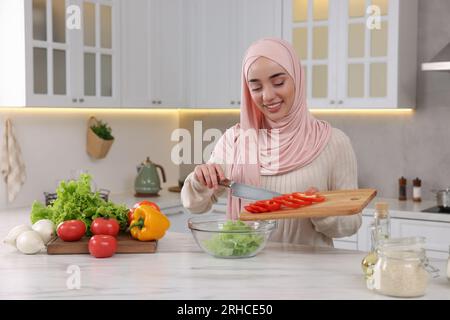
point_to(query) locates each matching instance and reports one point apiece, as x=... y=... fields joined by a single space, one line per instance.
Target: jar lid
x=405 y=244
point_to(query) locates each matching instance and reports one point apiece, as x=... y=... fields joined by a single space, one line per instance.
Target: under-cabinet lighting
x=68 y=111
x=402 y=111
x=132 y=111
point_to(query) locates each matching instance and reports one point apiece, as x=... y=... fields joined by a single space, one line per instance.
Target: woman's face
x=271 y=87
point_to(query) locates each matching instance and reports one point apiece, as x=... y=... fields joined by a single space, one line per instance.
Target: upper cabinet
x=178 y=53
x=355 y=53
x=154 y=53
x=61 y=53
x=219 y=34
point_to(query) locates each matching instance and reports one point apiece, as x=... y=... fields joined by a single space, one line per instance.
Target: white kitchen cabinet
x=154 y=53
x=62 y=53
x=350 y=243
x=135 y=64
x=356 y=53
x=437 y=233
x=167 y=48
x=220 y=32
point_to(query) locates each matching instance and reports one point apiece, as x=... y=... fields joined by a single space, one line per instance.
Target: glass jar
x=448 y=265
x=402 y=268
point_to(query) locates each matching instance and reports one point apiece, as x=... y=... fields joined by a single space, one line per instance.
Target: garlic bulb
x=29 y=242
x=14 y=233
x=45 y=228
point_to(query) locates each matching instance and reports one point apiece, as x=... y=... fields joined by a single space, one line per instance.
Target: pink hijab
x=295 y=140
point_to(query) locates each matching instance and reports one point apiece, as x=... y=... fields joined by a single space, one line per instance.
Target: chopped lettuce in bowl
x=230 y=239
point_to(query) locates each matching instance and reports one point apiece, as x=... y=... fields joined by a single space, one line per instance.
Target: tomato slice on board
x=250 y=209
x=283 y=201
x=269 y=205
x=254 y=208
x=291 y=201
x=308 y=197
x=290 y=197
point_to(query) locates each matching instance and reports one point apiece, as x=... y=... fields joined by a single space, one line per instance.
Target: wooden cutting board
x=337 y=203
x=125 y=244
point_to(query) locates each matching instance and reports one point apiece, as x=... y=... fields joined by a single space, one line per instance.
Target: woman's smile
x=274 y=107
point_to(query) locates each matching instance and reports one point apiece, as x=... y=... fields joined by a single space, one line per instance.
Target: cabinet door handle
x=74 y=100
x=332 y=101
x=81 y=100
x=159 y=101
x=340 y=102
x=239 y=103
x=232 y=102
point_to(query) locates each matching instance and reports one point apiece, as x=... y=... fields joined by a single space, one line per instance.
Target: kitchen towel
x=12 y=166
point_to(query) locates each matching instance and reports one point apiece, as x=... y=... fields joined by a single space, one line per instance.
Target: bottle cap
x=417 y=182
x=381 y=209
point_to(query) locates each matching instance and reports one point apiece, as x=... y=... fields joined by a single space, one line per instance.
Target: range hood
x=441 y=62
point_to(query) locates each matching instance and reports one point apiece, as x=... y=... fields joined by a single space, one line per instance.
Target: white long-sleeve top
x=334 y=169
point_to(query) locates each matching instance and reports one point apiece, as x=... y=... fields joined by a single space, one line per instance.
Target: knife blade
x=245 y=191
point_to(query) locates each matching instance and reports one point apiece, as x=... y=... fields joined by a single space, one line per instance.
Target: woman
x=308 y=152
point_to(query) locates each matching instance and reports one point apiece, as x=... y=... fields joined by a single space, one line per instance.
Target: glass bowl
x=228 y=239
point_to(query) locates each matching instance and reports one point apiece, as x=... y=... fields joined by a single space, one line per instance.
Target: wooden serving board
x=125 y=244
x=337 y=203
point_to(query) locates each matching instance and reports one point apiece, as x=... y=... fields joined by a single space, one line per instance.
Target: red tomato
x=105 y=226
x=71 y=230
x=142 y=203
x=102 y=246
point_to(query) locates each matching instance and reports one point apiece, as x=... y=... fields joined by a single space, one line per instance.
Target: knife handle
x=225 y=183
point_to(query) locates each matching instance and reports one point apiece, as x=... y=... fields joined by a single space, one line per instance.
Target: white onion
x=45 y=228
x=30 y=242
x=14 y=233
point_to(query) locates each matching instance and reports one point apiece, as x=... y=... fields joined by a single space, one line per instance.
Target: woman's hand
x=209 y=175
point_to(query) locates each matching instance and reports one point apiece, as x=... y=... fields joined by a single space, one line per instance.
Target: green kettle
x=147 y=182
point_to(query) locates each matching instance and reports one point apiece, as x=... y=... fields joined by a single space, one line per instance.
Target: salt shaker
x=417 y=197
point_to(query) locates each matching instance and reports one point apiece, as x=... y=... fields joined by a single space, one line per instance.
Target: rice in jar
x=402 y=268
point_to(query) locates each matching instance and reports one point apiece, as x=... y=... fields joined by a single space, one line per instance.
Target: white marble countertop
x=180 y=270
x=409 y=209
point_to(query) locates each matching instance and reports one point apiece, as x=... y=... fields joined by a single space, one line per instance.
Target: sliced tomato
x=302 y=202
x=308 y=197
x=250 y=209
x=254 y=208
x=269 y=205
x=283 y=201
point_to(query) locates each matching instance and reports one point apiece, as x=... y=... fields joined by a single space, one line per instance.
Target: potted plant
x=99 y=138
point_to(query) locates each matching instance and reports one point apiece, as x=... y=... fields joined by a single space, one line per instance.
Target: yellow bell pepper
x=148 y=224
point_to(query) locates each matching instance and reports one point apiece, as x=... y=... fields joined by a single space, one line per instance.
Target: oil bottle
x=380 y=229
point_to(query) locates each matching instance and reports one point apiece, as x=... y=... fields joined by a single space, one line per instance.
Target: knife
x=245 y=191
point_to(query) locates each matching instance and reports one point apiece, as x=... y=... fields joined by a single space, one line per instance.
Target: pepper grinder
x=402 y=189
